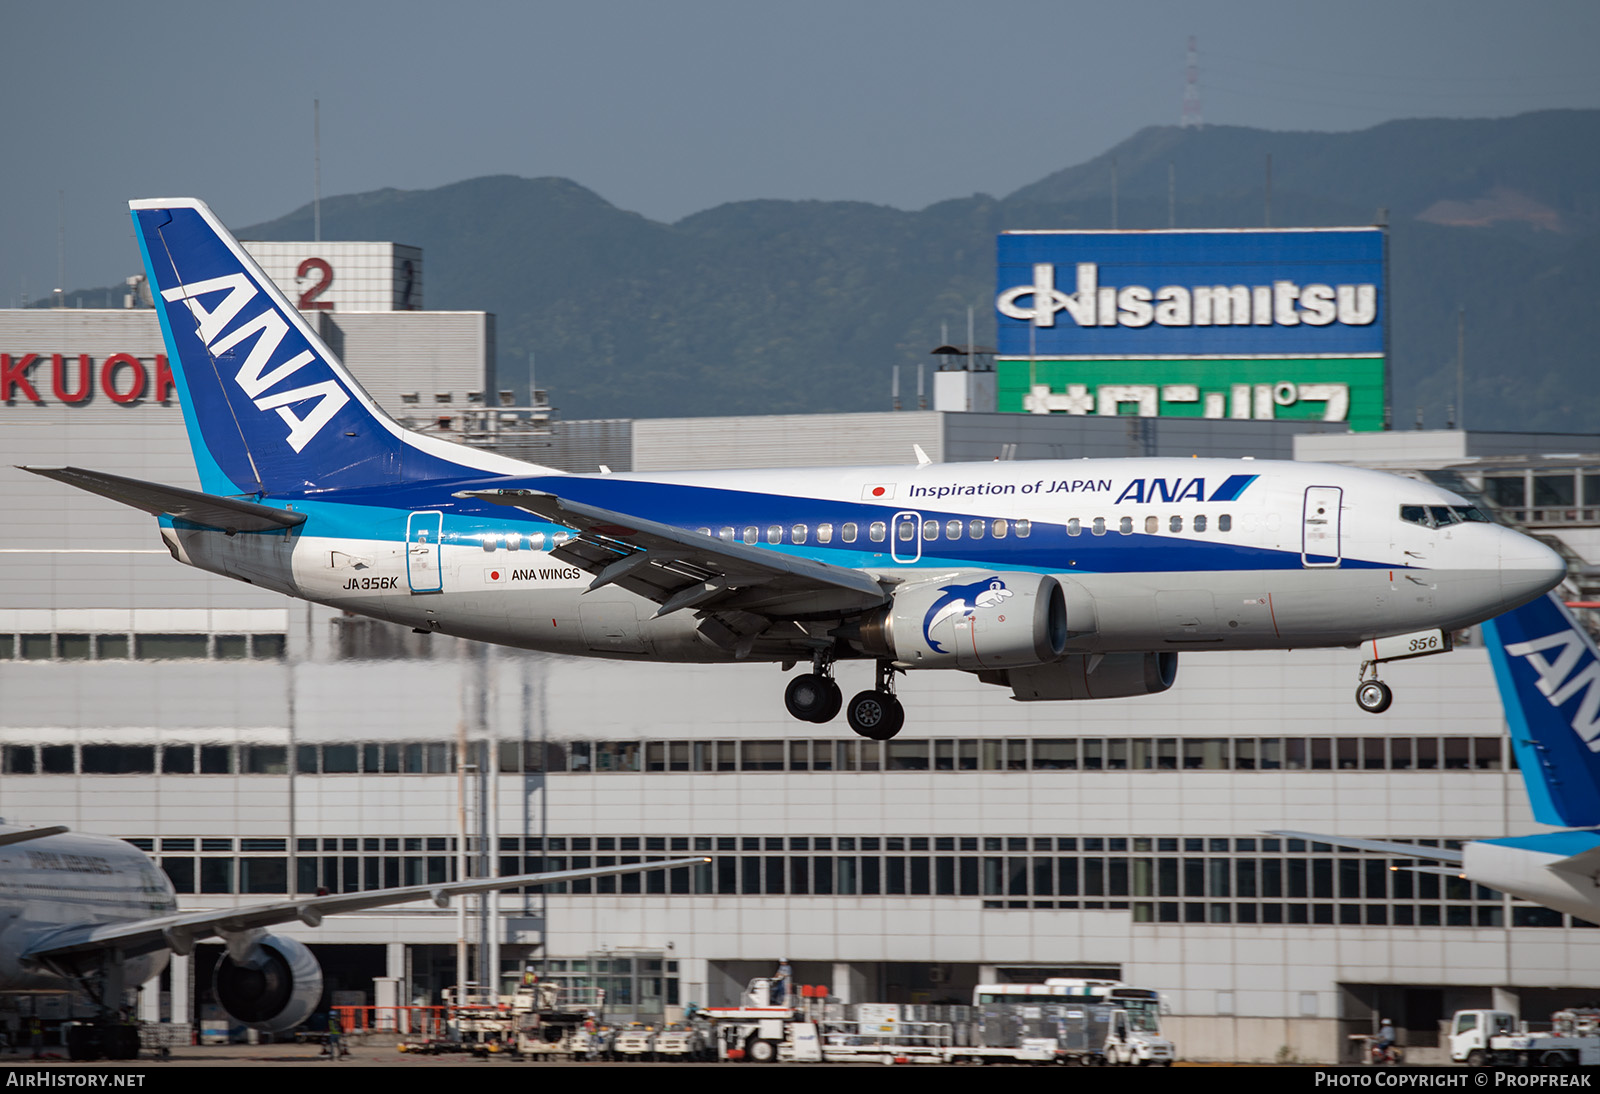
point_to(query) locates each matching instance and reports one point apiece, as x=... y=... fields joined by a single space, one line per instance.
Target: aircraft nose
x=1527 y=569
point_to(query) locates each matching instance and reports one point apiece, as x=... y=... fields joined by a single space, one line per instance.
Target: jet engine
x=971 y=619
x=274 y=989
x=1090 y=676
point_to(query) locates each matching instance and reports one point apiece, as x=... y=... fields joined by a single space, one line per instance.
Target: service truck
x=1485 y=1038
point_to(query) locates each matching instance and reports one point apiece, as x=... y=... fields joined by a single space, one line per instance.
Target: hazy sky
x=668 y=108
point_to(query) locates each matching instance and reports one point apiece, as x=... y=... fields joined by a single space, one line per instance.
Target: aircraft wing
x=1382 y=847
x=180 y=932
x=678 y=568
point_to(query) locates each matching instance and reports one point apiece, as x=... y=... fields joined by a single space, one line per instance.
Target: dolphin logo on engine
x=962 y=601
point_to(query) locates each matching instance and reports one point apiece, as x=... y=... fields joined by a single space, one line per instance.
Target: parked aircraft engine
x=1090 y=676
x=971 y=619
x=274 y=989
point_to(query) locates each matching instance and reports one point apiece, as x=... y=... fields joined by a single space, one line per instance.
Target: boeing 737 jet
x=1056 y=579
x=1548 y=672
x=94 y=914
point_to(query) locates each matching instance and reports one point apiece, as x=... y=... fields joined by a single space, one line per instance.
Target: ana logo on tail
x=253 y=377
x=1561 y=678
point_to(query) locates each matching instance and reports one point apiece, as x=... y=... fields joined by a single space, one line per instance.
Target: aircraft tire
x=813 y=698
x=1374 y=696
x=876 y=715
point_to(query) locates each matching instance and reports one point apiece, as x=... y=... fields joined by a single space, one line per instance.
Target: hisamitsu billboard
x=1300 y=292
x=1222 y=323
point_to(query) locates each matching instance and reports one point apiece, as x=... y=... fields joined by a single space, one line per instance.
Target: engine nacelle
x=1091 y=676
x=274 y=989
x=971 y=619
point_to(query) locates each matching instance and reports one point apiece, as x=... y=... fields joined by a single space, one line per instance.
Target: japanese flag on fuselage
x=878 y=491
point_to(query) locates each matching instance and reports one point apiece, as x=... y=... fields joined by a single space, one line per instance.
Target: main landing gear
x=815 y=697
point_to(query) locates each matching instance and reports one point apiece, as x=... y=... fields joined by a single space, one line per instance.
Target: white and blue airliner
x=1056 y=579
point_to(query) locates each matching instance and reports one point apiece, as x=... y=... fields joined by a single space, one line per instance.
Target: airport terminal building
x=258 y=747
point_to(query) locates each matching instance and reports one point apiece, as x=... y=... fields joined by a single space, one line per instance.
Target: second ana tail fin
x=1549 y=676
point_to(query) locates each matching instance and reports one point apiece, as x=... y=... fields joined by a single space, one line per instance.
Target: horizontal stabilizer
x=1382 y=847
x=228 y=514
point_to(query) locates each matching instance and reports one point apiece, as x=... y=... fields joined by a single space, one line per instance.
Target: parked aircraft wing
x=181 y=931
x=679 y=568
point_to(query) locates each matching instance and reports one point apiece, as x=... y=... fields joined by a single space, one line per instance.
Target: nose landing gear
x=1373 y=696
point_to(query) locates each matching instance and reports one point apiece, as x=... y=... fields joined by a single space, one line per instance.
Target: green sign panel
x=1332 y=389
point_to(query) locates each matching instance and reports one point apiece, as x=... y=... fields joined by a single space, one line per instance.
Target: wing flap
x=227 y=514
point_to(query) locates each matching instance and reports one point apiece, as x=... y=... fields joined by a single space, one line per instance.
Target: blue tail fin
x=1549 y=676
x=268 y=407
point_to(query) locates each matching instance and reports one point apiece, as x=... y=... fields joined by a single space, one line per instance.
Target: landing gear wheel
x=876 y=715
x=812 y=697
x=1374 y=696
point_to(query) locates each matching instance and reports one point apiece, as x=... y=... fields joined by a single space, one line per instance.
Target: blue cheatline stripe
x=1565 y=844
x=381 y=513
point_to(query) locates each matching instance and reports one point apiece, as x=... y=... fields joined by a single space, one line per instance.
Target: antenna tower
x=1191 y=89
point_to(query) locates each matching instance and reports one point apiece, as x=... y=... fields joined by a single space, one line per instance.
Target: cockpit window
x=1440 y=516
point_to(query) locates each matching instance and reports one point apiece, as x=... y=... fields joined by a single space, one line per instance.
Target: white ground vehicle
x=1483 y=1038
x=755 y=1028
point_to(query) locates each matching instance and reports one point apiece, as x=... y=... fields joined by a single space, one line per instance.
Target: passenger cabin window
x=1074 y=527
x=1200 y=522
x=725 y=534
x=825 y=533
x=930 y=529
x=1152 y=524
x=752 y=534
x=952 y=529
x=1001 y=527
x=1024 y=529
x=847 y=533
x=1225 y=522
x=1175 y=524
x=975 y=529
x=876 y=531
x=775 y=533
x=1099 y=527
x=906 y=531
x=797 y=534
x=703 y=531
x=536 y=541
x=1125 y=526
